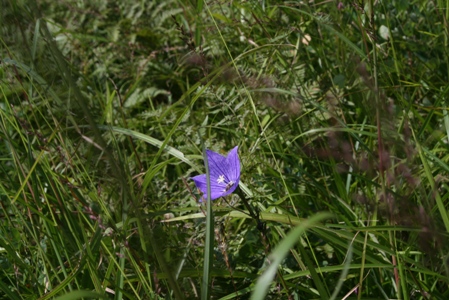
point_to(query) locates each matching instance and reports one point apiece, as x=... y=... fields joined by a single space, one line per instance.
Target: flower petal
x=230 y=189
x=233 y=164
x=216 y=190
x=217 y=164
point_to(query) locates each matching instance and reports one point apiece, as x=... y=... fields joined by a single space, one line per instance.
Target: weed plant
x=339 y=111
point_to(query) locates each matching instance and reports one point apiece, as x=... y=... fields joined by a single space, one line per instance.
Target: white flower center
x=221 y=179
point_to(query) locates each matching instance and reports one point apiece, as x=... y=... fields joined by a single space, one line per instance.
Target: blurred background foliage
x=335 y=106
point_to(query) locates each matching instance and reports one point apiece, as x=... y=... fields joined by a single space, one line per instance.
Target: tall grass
x=339 y=111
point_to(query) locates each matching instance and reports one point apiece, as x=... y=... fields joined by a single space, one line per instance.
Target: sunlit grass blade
x=344 y=273
x=264 y=282
x=75 y=295
x=439 y=202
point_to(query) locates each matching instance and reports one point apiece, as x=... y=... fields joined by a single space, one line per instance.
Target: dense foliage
x=338 y=107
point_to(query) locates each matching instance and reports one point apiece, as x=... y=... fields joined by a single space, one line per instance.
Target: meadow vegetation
x=339 y=111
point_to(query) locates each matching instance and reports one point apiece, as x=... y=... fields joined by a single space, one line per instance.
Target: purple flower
x=224 y=174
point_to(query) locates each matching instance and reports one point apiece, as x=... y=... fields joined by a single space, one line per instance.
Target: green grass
x=339 y=112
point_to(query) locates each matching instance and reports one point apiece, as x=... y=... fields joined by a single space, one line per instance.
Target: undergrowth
x=339 y=112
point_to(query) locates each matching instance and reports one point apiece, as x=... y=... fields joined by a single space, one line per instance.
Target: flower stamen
x=221 y=179
x=229 y=185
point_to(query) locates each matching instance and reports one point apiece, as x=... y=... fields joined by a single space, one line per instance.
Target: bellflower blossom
x=224 y=174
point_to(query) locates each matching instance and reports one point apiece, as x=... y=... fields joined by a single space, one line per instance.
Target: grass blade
x=281 y=251
x=209 y=244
